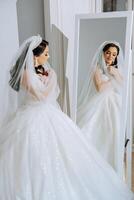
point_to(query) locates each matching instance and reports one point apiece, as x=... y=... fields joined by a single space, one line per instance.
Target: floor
x=133 y=172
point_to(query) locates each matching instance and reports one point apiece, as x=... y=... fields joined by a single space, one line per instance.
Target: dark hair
x=40 y=48
x=107 y=46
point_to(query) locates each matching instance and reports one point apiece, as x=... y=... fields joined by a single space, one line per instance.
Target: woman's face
x=110 y=55
x=42 y=59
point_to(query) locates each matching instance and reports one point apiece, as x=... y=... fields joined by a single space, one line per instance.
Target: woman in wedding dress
x=99 y=112
x=43 y=154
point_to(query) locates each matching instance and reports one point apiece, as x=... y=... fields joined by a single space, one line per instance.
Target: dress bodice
x=104 y=77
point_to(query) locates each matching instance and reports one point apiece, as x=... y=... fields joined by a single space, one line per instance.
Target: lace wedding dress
x=44 y=155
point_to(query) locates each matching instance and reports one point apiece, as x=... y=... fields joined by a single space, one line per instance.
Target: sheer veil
x=35 y=87
x=22 y=68
x=88 y=90
x=23 y=61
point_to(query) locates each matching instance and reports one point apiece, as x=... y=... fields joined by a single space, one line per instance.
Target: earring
x=35 y=62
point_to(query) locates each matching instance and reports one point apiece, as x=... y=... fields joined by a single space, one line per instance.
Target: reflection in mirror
x=114 y=5
x=99 y=103
x=102 y=60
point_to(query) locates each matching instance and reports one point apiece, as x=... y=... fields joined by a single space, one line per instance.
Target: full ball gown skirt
x=100 y=119
x=44 y=156
x=102 y=126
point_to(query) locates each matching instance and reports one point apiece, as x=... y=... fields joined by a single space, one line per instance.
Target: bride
x=43 y=154
x=99 y=112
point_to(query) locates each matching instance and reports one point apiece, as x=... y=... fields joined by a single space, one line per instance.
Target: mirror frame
x=126 y=97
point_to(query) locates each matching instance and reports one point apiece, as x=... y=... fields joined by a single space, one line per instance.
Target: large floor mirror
x=101 y=82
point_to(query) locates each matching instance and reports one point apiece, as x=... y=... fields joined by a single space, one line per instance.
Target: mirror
x=101 y=80
x=115 y=5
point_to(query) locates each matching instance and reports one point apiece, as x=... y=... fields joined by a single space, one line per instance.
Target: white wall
x=8 y=47
x=9 y=31
x=30 y=18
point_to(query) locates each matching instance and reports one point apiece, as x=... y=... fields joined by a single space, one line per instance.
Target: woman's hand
x=112 y=70
x=100 y=84
x=115 y=72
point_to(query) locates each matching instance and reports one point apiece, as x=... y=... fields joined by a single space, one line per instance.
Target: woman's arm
x=100 y=84
x=40 y=94
x=25 y=83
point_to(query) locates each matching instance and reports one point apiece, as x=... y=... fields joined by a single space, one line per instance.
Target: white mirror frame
x=129 y=20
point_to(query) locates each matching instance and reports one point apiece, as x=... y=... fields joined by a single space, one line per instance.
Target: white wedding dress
x=44 y=156
x=99 y=120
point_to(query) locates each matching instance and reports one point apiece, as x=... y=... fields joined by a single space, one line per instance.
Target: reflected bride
x=99 y=104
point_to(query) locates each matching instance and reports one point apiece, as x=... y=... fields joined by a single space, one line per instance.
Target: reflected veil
x=98 y=113
x=88 y=89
